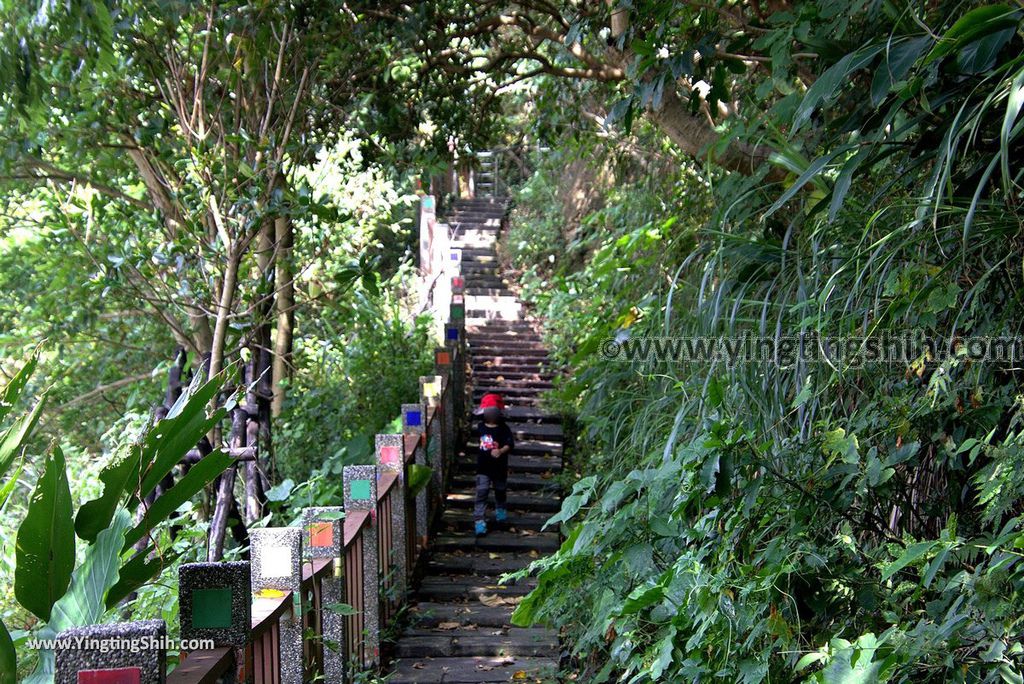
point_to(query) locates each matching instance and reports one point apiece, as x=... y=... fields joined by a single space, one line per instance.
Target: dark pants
x=483 y=489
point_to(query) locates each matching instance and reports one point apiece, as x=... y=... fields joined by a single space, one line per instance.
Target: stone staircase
x=460 y=628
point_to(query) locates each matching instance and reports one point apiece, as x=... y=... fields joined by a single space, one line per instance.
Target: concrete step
x=517 y=501
x=477 y=670
x=503 y=561
x=467 y=542
x=469 y=588
x=514 y=641
x=427 y=614
x=540 y=448
x=510 y=394
x=518 y=482
x=517 y=463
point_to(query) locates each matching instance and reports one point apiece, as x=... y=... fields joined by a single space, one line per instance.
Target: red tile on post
x=121 y=675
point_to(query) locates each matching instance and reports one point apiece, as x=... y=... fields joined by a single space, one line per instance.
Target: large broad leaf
x=168 y=441
x=977 y=23
x=95 y=515
x=46 y=541
x=830 y=82
x=12 y=440
x=84 y=603
x=8 y=658
x=137 y=572
x=198 y=477
x=6 y=489
x=17 y=384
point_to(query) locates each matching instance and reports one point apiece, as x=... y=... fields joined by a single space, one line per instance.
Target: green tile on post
x=211 y=608
x=359 y=490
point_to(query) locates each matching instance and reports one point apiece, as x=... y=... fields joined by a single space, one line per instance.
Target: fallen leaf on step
x=448 y=625
x=519 y=675
x=534 y=554
x=494 y=556
x=491 y=600
x=418 y=666
x=484 y=668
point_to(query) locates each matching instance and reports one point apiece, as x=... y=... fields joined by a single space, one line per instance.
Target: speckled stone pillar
x=391 y=459
x=360 y=486
x=325 y=538
x=414 y=417
x=276 y=554
x=453 y=336
x=430 y=394
x=130 y=652
x=215 y=602
x=458 y=308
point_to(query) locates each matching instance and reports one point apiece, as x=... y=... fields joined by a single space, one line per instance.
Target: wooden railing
x=311 y=602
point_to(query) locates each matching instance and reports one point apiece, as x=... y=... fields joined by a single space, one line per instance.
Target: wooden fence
x=311 y=602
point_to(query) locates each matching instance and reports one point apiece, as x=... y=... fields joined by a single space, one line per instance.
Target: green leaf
x=198 y=476
x=913 y=553
x=980 y=55
x=809 y=173
x=825 y=87
x=642 y=597
x=94 y=516
x=896 y=64
x=419 y=476
x=85 y=601
x=46 y=541
x=8 y=488
x=17 y=384
x=8 y=657
x=137 y=572
x=342 y=609
x=168 y=441
x=16 y=435
x=976 y=23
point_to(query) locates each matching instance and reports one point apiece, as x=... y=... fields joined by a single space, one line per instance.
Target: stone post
x=360 y=487
x=276 y=554
x=215 y=603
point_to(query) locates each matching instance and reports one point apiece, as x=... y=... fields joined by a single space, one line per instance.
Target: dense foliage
x=801 y=519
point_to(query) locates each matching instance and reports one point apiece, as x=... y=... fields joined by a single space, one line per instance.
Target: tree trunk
x=695 y=137
x=224 y=304
x=284 y=285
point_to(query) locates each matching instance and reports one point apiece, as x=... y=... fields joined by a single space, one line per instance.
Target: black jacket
x=493 y=438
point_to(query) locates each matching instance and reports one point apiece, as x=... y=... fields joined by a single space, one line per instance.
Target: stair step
x=500 y=641
x=517 y=463
x=428 y=613
x=470 y=588
x=479 y=670
x=542 y=449
x=520 y=482
x=463 y=520
x=517 y=501
x=521 y=540
x=482 y=388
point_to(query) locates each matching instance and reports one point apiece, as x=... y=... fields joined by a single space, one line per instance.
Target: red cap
x=492 y=400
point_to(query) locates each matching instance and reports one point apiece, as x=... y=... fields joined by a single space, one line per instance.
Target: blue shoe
x=500 y=515
x=481 y=528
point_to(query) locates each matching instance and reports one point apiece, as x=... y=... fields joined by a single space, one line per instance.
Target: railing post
x=360 y=487
x=324 y=537
x=443 y=366
x=414 y=417
x=108 y=657
x=391 y=459
x=453 y=340
x=276 y=554
x=430 y=394
x=215 y=603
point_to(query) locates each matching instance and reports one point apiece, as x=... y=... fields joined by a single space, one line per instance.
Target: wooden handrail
x=354 y=524
x=203 y=667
